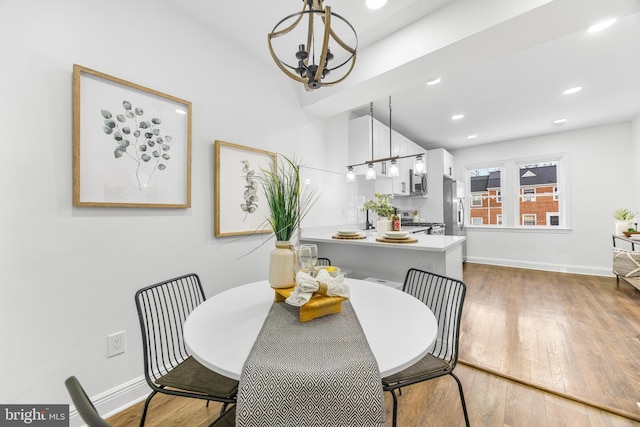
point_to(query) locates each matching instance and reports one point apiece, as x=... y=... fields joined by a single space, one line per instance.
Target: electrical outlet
x=115 y=343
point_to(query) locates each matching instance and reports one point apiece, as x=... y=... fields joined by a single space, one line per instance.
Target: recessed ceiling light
x=559 y=121
x=434 y=81
x=376 y=4
x=573 y=90
x=457 y=116
x=180 y=111
x=472 y=136
x=601 y=25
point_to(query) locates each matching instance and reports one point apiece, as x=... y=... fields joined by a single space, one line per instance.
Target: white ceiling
x=503 y=64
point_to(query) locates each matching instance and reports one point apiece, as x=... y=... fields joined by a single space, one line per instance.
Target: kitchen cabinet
x=441 y=163
x=366 y=141
x=439 y=167
x=369 y=141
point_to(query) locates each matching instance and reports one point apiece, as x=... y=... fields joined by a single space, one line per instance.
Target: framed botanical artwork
x=131 y=144
x=239 y=205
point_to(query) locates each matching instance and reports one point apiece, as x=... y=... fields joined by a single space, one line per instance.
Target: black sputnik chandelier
x=316 y=61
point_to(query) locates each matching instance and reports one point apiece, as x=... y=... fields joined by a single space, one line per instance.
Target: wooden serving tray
x=318 y=305
x=407 y=240
x=354 y=237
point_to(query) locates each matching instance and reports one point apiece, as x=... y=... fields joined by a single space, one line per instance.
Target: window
x=518 y=193
x=528 y=219
x=485 y=191
x=527 y=195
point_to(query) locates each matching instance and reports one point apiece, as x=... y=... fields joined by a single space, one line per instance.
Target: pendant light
x=315 y=60
x=371 y=172
x=393 y=170
x=419 y=164
x=351 y=176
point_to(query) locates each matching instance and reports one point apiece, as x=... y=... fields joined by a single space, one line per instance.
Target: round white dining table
x=221 y=331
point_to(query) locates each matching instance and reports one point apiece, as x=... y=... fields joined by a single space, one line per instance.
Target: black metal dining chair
x=163 y=309
x=83 y=404
x=324 y=262
x=444 y=297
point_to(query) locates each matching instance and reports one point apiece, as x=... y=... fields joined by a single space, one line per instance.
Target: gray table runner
x=320 y=373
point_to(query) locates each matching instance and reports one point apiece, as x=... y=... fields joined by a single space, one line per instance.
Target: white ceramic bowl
x=396 y=234
x=348 y=232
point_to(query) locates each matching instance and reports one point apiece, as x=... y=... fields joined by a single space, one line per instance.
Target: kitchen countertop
x=426 y=242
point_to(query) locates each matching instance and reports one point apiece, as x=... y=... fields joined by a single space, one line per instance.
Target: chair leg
x=224 y=407
x=464 y=405
x=395 y=407
x=146 y=406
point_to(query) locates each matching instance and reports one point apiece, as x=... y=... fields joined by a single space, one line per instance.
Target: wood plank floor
x=572 y=334
x=573 y=337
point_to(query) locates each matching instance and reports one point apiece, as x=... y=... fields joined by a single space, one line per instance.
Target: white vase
x=283 y=265
x=623 y=225
x=382 y=226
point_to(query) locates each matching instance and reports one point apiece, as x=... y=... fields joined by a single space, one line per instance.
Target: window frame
x=528 y=197
x=511 y=193
x=535 y=220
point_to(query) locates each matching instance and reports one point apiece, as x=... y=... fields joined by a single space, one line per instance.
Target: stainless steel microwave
x=418 y=184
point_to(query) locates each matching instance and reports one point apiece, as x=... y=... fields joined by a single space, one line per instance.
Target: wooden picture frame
x=240 y=207
x=131 y=144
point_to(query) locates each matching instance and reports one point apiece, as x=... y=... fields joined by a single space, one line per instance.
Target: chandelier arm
x=282 y=67
x=274 y=34
x=325 y=43
x=309 y=36
x=337 y=38
x=353 y=63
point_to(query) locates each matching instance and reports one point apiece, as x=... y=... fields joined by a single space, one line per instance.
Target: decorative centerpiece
x=624 y=221
x=383 y=208
x=289 y=203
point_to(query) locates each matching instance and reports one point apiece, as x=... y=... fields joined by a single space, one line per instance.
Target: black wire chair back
x=162 y=309
x=324 y=262
x=444 y=297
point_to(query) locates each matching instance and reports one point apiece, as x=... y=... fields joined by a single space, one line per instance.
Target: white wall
x=602 y=177
x=68 y=275
x=635 y=158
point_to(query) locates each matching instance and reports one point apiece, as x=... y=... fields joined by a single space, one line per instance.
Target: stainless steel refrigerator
x=453 y=205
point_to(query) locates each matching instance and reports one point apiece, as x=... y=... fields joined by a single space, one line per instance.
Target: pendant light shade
x=371 y=172
x=309 y=46
x=419 y=164
x=351 y=176
x=393 y=169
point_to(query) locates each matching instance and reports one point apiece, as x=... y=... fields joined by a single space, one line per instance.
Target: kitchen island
x=368 y=257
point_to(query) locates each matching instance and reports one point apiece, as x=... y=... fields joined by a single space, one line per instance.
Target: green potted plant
x=624 y=220
x=289 y=202
x=384 y=209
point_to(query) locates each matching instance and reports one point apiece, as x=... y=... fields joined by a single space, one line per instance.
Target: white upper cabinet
x=441 y=163
x=369 y=141
x=365 y=140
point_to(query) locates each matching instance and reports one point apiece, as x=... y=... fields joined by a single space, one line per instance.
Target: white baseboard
x=573 y=269
x=115 y=400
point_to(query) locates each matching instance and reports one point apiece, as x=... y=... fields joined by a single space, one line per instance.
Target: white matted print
x=240 y=206
x=131 y=144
